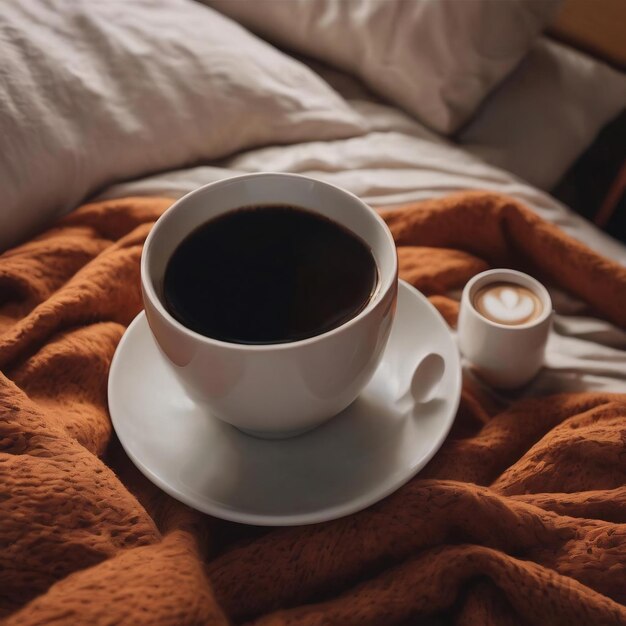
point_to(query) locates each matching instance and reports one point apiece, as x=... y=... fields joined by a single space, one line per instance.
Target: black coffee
x=268 y=274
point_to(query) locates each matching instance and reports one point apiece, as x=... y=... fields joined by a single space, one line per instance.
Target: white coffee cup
x=505 y=356
x=275 y=390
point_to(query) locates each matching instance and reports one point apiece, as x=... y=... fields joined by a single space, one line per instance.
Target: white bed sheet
x=397 y=161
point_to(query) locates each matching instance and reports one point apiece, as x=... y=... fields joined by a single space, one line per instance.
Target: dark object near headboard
x=595 y=186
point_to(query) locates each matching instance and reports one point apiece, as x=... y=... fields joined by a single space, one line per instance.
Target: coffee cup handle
x=426 y=377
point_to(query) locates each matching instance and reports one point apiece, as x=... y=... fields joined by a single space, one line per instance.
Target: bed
x=107 y=102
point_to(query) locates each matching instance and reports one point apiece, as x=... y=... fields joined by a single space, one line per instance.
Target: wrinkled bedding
x=519 y=519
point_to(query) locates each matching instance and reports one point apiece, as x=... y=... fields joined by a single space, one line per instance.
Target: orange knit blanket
x=519 y=519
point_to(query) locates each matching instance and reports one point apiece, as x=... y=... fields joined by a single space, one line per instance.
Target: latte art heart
x=507 y=303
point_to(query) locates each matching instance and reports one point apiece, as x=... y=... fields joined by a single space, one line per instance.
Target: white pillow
x=437 y=59
x=539 y=120
x=536 y=122
x=96 y=92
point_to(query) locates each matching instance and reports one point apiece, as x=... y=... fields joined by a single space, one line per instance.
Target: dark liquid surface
x=268 y=274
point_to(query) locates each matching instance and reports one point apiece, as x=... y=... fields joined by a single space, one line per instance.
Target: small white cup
x=504 y=356
x=275 y=390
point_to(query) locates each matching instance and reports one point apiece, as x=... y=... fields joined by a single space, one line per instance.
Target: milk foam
x=507 y=303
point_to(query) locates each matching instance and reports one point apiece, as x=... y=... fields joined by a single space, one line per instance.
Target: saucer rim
x=221 y=511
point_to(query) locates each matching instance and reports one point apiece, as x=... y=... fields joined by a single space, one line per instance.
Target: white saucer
x=357 y=458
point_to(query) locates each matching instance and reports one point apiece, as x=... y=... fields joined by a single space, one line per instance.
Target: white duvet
x=316 y=121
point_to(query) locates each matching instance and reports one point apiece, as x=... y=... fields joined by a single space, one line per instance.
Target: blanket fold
x=519 y=519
